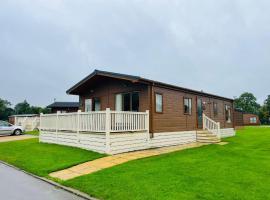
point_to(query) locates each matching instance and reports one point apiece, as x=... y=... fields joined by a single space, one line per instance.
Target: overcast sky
x=46 y=46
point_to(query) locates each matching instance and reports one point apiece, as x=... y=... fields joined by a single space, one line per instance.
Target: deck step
x=207 y=137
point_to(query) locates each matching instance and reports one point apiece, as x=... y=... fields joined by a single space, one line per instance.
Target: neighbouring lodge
x=176 y=114
x=245 y=119
x=64 y=107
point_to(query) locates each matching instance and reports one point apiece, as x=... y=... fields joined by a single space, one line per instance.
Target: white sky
x=46 y=46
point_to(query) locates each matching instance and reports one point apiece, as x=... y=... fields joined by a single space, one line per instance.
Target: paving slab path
x=15 y=138
x=110 y=161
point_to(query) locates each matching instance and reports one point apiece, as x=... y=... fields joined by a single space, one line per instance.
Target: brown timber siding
x=110 y=87
x=173 y=117
x=238 y=118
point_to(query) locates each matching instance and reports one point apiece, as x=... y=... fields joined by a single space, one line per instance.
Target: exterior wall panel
x=173 y=118
x=110 y=87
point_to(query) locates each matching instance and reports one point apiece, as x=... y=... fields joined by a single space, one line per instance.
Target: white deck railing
x=211 y=125
x=97 y=121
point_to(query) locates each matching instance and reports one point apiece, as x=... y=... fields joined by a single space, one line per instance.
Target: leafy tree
x=38 y=110
x=5 y=109
x=267 y=103
x=247 y=102
x=265 y=111
x=23 y=108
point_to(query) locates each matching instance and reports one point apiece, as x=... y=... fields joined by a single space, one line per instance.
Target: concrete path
x=14 y=138
x=16 y=185
x=110 y=161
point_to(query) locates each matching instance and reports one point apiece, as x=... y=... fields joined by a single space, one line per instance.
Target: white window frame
x=189 y=105
x=228 y=108
x=253 y=120
x=159 y=102
x=88 y=105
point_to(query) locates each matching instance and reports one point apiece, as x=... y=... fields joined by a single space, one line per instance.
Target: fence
x=97 y=121
x=92 y=127
x=28 y=123
x=211 y=125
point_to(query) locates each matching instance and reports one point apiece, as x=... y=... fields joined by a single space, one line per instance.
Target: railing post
x=108 y=130
x=218 y=125
x=56 y=128
x=40 y=120
x=147 y=119
x=78 y=125
x=203 y=121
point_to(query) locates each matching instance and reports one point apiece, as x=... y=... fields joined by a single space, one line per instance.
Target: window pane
x=228 y=113
x=119 y=102
x=187 y=105
x=190 y=106
x=97 y=106
x=159 y=103
x=135 y=101
x=215 y=109
x=3 y=123
x=126 y=101
x=88 y=105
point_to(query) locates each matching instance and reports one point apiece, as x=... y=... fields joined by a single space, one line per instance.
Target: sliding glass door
x=127 y=102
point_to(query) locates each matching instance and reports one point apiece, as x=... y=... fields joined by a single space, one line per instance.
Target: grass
x=34 y=132
x=239 y=170
x=42 y=159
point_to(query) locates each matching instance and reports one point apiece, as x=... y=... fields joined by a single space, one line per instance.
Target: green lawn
x=34 y=132
x=239 y=170
x=41 y=159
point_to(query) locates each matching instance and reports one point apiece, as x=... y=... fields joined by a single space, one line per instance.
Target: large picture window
x=159 y=103
x=228 y=114
x=187 y=106
x=127 y=102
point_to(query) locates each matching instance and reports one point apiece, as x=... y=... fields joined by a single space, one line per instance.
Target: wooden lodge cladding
x=173 y=117
x=172 y=113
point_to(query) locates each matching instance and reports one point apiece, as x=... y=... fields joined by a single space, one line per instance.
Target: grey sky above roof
x=220 y=47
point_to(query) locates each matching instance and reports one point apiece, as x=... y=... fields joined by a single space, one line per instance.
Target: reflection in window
x=187 y=105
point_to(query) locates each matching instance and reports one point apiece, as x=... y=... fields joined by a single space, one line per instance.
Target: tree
x=247 y=102
x=5 y=109
x=265 y=111
x=23 y=108
x=267 y=103
x=38 y=110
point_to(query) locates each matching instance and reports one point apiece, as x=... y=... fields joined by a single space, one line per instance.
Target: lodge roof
x=138 y=79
